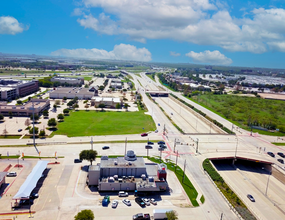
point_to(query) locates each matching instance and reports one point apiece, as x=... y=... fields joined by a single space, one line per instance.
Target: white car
x=127 y=202
x=152 y=201
x=115 y=204
x=11 y=174
x=146 y=201
x=123 y=194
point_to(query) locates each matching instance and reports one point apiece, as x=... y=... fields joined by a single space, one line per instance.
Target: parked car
x=105 y=147
x=141 y=216
x=158 y=124
x=11 y=174
x=281 y=154
x=144 y=134
x=250 y=197
x=19 y=130
x=156 y=131
x=148 y=147
x=280 y=160
x=150 y=143
x=34 y=196
x=106 y=201
x=140 y=202
x=146 y=201
x=152 y=201
x=271 y=154
x=160 y=142
x=127 y=202
x=160 y=149
x=115 y=204
x=77 y=161
x=123 y=194
x=162 y=146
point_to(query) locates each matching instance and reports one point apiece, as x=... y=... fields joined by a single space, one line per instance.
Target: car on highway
x=150 y=143
x=250 y=197
x=280 y=160
x=281 y=154
x=123 y=194
x=148 y=147
x=146 y=201
x=271 y=154
x=144 y=134
x=160 y=142
x=140 y=202
x=105 y=147
x=77 y=161
x=152 y=201
x=11 y=174
x=127 y=202
x=115 y=204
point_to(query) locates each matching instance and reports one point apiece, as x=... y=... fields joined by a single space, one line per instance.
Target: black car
x=140 y=202
x=19 y=130
x=105 y=147
x=150 y=143
x=161 y=149
x=250 y=197
x=148 y=147
x=160 y=142
x=271 y=154
x=77 y=161
x=280 y=160
x=281 y=154
x=162 y=146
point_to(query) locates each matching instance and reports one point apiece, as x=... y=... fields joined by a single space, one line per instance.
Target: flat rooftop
x=121 y=162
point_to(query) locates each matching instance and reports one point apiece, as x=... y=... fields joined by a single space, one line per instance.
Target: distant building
x=128 y=173
x=117 y=84
x=70 y=93
x=109 y=102
x=12 y=89
x=68 y=80
x=39 y=105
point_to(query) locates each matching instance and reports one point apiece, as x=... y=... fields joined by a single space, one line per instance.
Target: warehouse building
x=68 y=80
x=71 y=93
x=128 y=173
x=109 y=102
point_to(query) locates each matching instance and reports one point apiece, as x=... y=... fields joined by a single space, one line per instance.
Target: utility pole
x=222 y=216
x=184 y=171
x=197 y=145
x=34 y=141
x=174 y=144
x=125 y=147
x=176 y=161
x=164 y=129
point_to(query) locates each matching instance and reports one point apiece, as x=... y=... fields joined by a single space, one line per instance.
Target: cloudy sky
x=219 y=32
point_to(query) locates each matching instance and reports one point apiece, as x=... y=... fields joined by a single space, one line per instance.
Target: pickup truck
x=141 y=216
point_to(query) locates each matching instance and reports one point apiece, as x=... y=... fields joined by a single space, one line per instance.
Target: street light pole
x=197 y=145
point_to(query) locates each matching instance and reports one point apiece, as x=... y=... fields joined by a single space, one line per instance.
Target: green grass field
x=88 y=123
x=245 y=111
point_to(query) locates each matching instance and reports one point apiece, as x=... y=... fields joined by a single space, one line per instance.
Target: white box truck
x=160 y=213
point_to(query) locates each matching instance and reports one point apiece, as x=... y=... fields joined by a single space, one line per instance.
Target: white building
x=109 y=102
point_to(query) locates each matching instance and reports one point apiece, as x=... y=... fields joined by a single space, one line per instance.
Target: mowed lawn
x=88 y=123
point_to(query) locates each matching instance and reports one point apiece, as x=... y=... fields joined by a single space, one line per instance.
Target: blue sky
x=236 y=33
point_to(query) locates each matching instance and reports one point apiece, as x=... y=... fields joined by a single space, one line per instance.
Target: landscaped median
x=187 y=185
x=233 y=199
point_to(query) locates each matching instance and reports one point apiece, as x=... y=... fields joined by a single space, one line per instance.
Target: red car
x=144 y=134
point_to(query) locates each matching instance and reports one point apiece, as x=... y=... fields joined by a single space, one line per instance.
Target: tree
x=118 y=106
x=36 y=117
x=10 y=115
x=42 y=133
x=101 y=105
x=70 y=104
x=60 y=117
x=57 y=102
x=45 y=113
x=66 y=111
x=86 y=106
x=172 y=215
x=89 y=155
x=52 y=122
x=19 y=102
x=64 y=98
x=1 y=117
x=126 y=106
x=5 y=132
x=85 y=214
x=75 y=106
x=32 y=130
x=55 y=106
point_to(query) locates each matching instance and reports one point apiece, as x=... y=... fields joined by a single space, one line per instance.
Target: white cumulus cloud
x=211 y=57
x=10 y=25
x=120 y=52
x=174 y=54
x=203 y=22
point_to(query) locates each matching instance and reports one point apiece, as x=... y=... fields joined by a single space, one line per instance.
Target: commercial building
x=39 y=105
x=128 y=173
x=116 y=84
x=109 y=102
x=68 y=80
x=2 y=178
x=70 y=93
x=12 y=89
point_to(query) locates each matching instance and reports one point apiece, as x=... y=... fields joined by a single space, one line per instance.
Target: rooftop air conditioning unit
x=115 y=163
